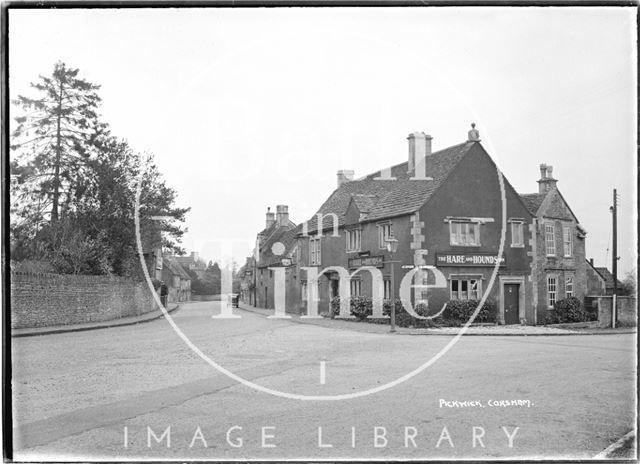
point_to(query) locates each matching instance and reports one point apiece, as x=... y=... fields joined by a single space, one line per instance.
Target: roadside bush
x=460 y=311
x=567 y=310
x=362 y=309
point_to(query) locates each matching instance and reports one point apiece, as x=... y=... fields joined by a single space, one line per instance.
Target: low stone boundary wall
x=627 y=311
x=45 y=300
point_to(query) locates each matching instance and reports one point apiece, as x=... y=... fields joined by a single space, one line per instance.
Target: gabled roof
x=274 y=225
x=175 y=268
x=364 y=202
x=283 y=234
x=392 y=197
x=607 y=276
x=532 y=201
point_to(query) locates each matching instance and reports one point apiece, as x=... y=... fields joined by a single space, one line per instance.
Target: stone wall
x=627 y=311
x=44 y=300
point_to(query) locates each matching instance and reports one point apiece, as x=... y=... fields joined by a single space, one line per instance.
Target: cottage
x=193 y=263
x=177 y=279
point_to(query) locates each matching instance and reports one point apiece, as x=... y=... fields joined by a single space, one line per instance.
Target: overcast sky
x=250 y=108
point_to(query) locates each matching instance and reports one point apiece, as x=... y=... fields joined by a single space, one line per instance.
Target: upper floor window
x=384 y=232
x=464 y=233
x=552 y=289
x=354 y=240
x=568 y=286
x=567 y=241
x=315 y=252
x=517 y=234
x=550 y=239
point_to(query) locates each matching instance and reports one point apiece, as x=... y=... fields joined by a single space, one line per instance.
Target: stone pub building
x=445 y=210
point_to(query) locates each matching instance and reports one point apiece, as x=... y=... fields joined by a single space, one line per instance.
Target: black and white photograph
x=245 y=232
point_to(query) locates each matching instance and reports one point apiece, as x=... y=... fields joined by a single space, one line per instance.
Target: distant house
x=177 y=279
x=277 y=246
x=247 y=285
x=607 y=276
x=596 y=284
x=193 y=263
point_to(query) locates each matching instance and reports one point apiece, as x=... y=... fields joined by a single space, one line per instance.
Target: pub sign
x=468 y=259
x=375 y=261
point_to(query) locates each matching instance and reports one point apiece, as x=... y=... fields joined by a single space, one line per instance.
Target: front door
x=511 y=303
x=333 y=288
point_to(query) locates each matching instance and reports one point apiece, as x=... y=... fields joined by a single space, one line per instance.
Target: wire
x=606 y=256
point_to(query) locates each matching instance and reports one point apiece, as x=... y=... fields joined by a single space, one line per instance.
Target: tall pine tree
x=55 y=136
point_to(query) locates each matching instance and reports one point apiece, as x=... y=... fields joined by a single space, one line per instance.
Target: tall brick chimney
x=419 y=149
x=345 y=175
x=282 y=215
x=270 y=218
x=546 y=182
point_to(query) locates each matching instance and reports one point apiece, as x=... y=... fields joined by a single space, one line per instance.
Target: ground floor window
x=387 y=289
x=466 y=289
x=303 y=286
x=356 y=287
x=552 y=288
x=568 y=286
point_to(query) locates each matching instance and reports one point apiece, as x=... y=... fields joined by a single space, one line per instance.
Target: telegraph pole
x=614 y=264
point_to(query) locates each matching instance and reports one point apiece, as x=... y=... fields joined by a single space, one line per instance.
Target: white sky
x=250 y=108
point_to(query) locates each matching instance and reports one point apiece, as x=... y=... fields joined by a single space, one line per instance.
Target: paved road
x=76 y=394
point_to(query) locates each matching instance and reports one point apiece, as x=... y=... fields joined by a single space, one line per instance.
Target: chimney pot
x=345 y=175
x=591 y=262
x=543 y=171
x=282 y=215
x=270 y=218
x=546 y=182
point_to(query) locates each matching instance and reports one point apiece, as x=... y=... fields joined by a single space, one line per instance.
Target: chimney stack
x=270 y=218
x=282 y=215
x=419 y=149
x=546 y=182
x=345 y=175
